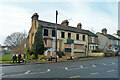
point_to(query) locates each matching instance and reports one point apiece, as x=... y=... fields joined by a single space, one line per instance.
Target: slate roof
x=66 y=28
x=110 y=36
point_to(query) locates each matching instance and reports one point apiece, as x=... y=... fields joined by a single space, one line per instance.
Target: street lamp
x=56 y=36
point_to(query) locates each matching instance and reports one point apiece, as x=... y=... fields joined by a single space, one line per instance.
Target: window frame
x=45 y=34
x=62 y=34
x=83 y=37
x=69 y=35
x=77 y=36
x=53 y=31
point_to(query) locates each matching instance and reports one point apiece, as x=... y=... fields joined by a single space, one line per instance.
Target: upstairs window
x=53 y=33
x=45 y=32
x=83 y=37
x=62 y=34
x=69 y=35
x=77 y=36
x=92 y=39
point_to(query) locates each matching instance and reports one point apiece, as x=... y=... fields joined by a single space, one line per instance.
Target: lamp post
x=56 y=37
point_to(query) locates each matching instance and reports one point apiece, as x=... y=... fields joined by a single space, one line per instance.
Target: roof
x=66 y=28
x=110 y=36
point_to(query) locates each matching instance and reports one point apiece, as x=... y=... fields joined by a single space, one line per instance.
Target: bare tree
x=15 y=39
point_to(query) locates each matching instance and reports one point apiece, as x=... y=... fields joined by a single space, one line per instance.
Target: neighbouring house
x=107 y=42
x=117 y=36
x=73 y=41
x=5 y=49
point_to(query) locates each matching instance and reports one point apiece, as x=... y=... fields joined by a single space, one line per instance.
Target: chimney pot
x=79 y=25
x=35 y=16
x=104 y=31
x=118 y=32
x=65 y=22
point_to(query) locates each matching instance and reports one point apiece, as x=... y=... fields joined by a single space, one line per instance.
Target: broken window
x=62 y=34
x=45 y=32
x=53 y=33
x=69 y=35
x=83 y=37
x=77 y=36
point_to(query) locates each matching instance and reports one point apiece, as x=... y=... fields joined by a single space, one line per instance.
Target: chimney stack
x=79 y=25
x=104 y=31
x=65 y=22
x=118 y=32
x=35 y=16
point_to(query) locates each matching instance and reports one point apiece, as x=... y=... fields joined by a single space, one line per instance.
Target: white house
x=107 y=42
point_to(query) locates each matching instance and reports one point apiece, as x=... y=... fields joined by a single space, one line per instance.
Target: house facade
x=107 y=42
x=73 y=41
x=118 y=36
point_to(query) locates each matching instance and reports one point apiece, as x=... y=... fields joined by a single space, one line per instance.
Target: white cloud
x=91 y=18
x=13 y=19
x=17 y=19
x=60 y=1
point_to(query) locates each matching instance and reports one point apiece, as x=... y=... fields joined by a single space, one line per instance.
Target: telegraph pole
x=56 y=37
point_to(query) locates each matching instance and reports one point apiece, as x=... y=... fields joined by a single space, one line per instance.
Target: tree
x=15 y=39
x=38 y=46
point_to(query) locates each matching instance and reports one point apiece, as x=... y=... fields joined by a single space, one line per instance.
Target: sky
x=15 y=16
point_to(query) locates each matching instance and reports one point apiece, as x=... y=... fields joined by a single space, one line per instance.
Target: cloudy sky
x=15 y=16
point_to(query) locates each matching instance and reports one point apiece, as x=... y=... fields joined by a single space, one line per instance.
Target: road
x=100 y=68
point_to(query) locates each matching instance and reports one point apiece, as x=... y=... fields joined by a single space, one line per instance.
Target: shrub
x=96 y=51
x=60 y=53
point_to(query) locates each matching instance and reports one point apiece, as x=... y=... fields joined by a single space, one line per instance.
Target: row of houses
x=73 y=41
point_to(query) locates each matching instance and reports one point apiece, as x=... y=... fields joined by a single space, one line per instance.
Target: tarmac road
x=100 y=68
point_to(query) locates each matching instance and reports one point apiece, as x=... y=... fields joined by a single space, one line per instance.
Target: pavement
x=46 y=62
x=98 y=68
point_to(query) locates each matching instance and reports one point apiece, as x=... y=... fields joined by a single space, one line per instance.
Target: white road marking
x=66 y=68
x=74 y=76
x=27 y=72
x=94 y=73
x=2 y=74
x=110 y=70
x=48 y=70
x=104 y=64
x=94 y=65
x=113 y=62
x=81 y=66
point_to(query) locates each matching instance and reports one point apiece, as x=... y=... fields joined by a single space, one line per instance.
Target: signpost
x=25 y=53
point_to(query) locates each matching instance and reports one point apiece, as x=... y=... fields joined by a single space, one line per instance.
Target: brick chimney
x=104 y=31
x=35 y=16
x=118 y=32
x=79 y=25
x=65 y=22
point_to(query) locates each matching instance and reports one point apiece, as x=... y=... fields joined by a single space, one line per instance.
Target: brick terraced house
x=73 y=41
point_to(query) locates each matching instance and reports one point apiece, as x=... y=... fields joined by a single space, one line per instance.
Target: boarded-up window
x=67 y=45
x=79 y=46
x=60 y=44
x=49 y=43
x=48 y=54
